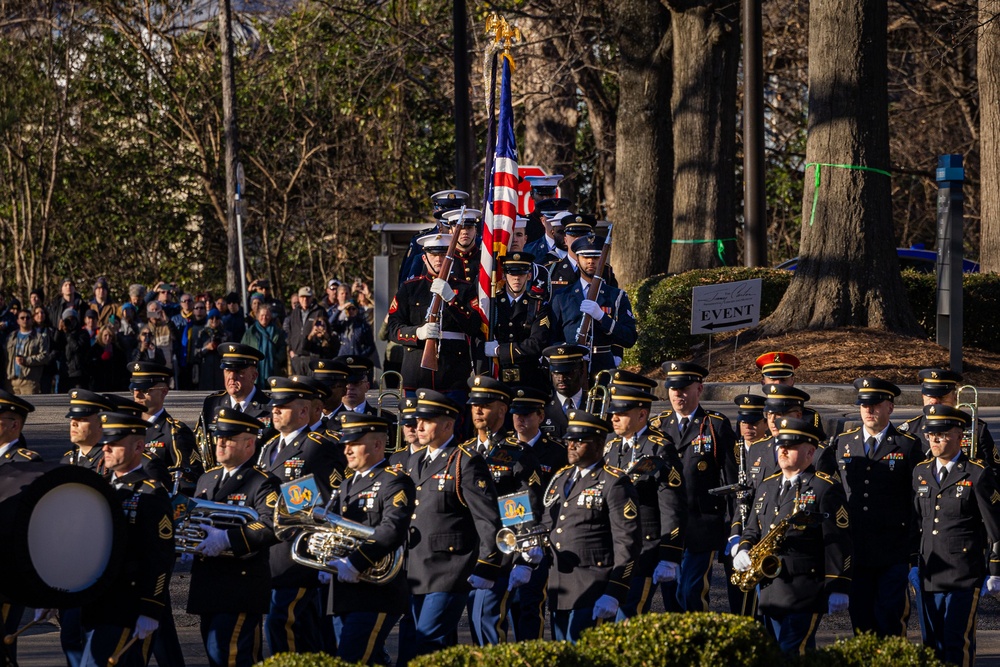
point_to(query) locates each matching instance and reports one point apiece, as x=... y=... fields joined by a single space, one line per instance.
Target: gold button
x=413 y=517
x=558 y=546
x=562 y=517
x=934 y=532
x=415 y=502
x=937 y=507
x=867 y=481
x=451 y=548
x=559 y=530
x=599 y=563
x=936 y=519
x=866 y=495
x=865 y=508
x=565 y=504
x=418 y=488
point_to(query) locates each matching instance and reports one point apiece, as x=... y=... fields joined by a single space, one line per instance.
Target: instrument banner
x=300 y=494
x=515 y=509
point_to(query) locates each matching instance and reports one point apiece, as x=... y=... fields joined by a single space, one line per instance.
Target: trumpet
x=323 y=536
x=969 y=436
x=384 y=391
x=509 y=541
x=189 y=527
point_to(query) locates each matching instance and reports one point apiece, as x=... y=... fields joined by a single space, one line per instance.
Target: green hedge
x=520 y=654
x=662 y=307
x=304 y=660
x=868 y=651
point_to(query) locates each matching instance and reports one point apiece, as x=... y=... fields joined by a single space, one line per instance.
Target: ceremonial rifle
x=429 y=360
x=583 y=333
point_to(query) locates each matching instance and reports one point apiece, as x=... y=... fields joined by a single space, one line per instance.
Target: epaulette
x=764 y=439
x=333 y=435
x=153 y=484
x=926 y=462
x=614 y=472
x=465 y=451
x=69 y=452
x=470 y=442
x=273 y=438
x=392 y=471
x=825 y=477
x=777 y=474
x=258 y=471
x=513 y=439
x=316 y=437
x=414 y=279
x=853 y=430
x=660 y=440
x=27 y=453
x=216 y=394
x=664 y=414
x=213 y=469
x=976 y=462
x=713 y=413
x=558 y=472
x=175 y=421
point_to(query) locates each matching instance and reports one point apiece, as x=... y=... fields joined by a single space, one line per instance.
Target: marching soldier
x=612 y=320
x=376 y=496
x=239 y=371
x=411 y=443
x=661 y=496
x=514 y=470
x=816 y=554
x=230 y=576
x=154 y=466
x=333 y=374
x=875 y=465
x=294 y=619
x=592 y=514
x=166 y=438
x=458 y=326
x=568 y=370
x=705 y=442
x=136 y=601
x=453 y=530
x=958 y=510
x=359 y=381
x=779 y=368
x=939 y=386
x=520 y=323
x=566 y=271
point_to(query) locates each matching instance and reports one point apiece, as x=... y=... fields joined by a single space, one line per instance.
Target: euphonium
x=189 y=527
x=323 y=536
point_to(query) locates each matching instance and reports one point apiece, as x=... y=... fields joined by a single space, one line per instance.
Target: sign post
x=950 y=177
x=724 y=307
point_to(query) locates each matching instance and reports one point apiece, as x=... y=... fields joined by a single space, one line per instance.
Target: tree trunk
x=989 y=134
x=234 y=281
x=703 y=106
x=644 y=155
x=847 y=273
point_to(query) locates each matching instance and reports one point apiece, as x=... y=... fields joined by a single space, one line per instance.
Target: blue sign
x=300 y=494
x=515 y=509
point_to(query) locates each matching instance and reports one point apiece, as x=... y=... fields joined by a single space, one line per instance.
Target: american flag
x=501 y=199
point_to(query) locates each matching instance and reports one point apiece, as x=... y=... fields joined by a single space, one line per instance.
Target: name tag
x=923 y=491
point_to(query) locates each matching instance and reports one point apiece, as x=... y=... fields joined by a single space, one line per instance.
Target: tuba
x=969 y=439
x=191 y=515
x=323 y=536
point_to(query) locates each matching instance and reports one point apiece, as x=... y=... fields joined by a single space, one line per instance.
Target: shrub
x=664 y=640
x=518 y=654
x=869 y=651
x=304 y=660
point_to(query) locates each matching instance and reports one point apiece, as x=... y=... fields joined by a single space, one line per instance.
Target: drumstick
x=10 y=639
x=113 y=660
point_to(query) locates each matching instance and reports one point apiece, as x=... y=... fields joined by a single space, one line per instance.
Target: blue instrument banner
x=300 y=494
x=515 y=508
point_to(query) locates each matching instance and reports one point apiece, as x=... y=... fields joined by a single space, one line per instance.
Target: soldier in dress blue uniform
x=875 y=464
x=566 y=271
x=135 y=603
x=815 y=556
x=661 y=495
x=592 y=515
x=520 y=323
x=613 y=322
x=239 y=371
x=958 y=515
x=568 y=370
x=442 y=202
x=294 y=620
x=939 y=386
x=378 y=496
x=453 y=530
x=230 y=576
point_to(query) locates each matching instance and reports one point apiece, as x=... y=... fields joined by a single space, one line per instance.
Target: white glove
x=325 y=578
x=838 y=602
x=914 y=577
x=742 y=562
x=429 y=330
x=991 y=586
x=145 y=626
x=519 y=576
x=187 y=558
x=44 y=614
x=215 y=542
x=479 y=583
x=591 y=308
x=665 y=571
x=733 y=546
x=490 y=348
x=606 y=607
x=533 y=555
x=442 y=289
x=346 y=573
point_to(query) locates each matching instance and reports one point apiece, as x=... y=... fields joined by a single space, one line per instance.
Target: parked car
x=916 y=257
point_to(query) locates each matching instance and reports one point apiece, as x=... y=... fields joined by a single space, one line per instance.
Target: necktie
x=683 y=426
x=942 y=476
x=568 y=405
x=277 y=450
x=870 y=445
x=569 y=484
x=785 y=486
x=238 y=407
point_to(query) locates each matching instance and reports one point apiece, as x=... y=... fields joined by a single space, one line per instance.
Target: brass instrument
x=189 y=527
x=323 y=536
x=509 y=541
x=647 y=464
x=970 y=440
x=742 y=499
x=383 y=392
x=599 y=396
x=203 y=441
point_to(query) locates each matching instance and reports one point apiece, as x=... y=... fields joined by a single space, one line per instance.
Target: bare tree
x=989 y=132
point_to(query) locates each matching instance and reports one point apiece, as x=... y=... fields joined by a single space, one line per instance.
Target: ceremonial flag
x=501 y=200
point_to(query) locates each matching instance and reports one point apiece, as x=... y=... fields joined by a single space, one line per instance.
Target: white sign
x=725 y=306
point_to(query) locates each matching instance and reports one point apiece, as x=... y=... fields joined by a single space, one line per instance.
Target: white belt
x=452 y=335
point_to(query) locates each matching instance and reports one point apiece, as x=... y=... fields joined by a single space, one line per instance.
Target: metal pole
x=950 y=177
x=463 y=113
x=240 y=183
x=754 y=200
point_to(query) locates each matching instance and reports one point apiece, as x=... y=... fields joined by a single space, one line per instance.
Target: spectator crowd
x=85 y=340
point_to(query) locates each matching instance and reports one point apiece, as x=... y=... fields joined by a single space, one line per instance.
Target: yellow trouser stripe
x=647 y=585
x=371 y=639
x=290 y=621
x=501 y=634
x=706 y=581
x=970 y=630
x=234 y=640
x=812 y=629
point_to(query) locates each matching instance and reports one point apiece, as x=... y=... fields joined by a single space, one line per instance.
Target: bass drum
x=63 y=534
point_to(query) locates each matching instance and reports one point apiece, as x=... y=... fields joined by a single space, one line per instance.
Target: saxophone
x=765 y=559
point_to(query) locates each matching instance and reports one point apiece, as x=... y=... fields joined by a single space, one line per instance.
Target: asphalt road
x=47 y=431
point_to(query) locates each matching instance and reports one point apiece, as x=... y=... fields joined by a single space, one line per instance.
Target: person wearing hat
x=467 y=248
x=706 y=443
x=136 y=601
x=520 y=321
x=351 y=328
x=612 y=322
x=378 y=496
x=299 y=326
x=527 y=409
x=207 y=354
x=662 y=510
x=13 y=413
x=294 y=620
x=358 y=383
x=816 y=556
x=568 y=373
x=566 y=271
x=939 y=386
x=779 y=368
x=240 y=374
x=515 y=470
x=230 y=575
x=546 y=243
x=454 y=527
x=103 y=303
x=167 y=438
x=456 y=330
x=233 y=318
x=68 y=299
x=875 y=462
x=333 y=374
x=408 y=424
x=441 y=202
x=958 y=516
x=592 y=515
